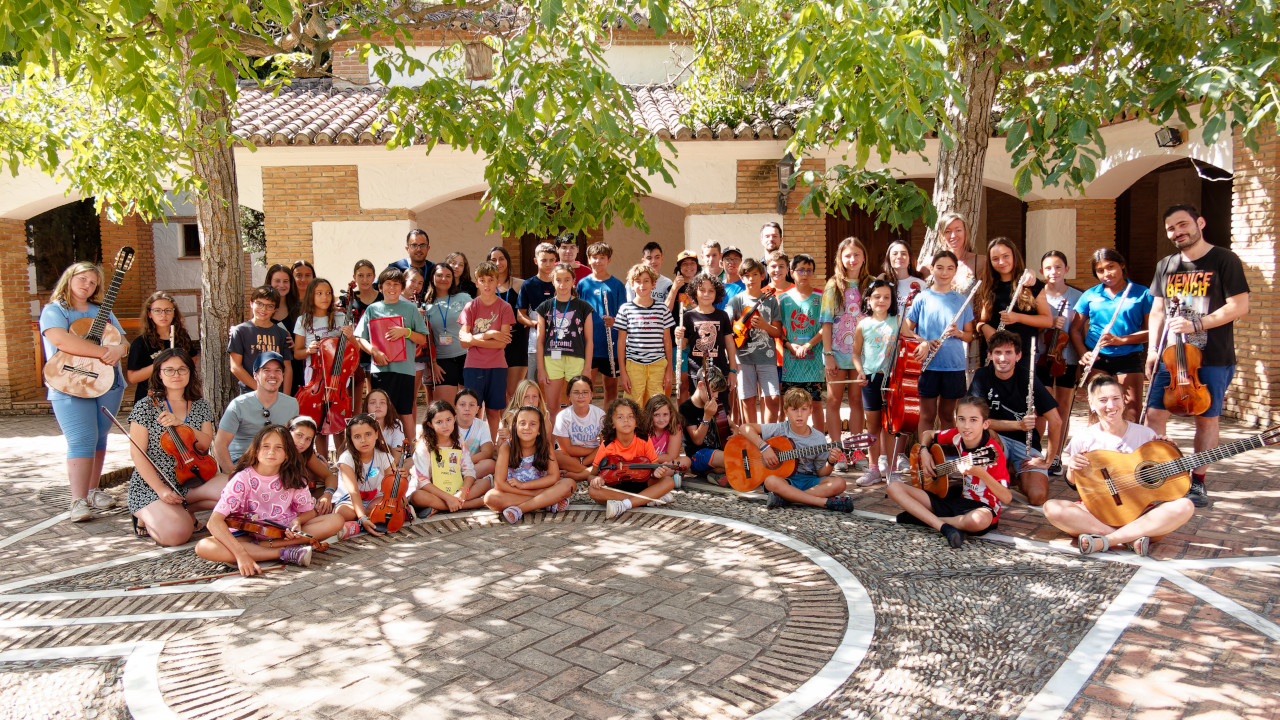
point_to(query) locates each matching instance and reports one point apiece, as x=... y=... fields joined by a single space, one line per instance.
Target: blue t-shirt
x=55 y=316
x=932 y=312
x=1097 y=305
x=593 y=292
x=731 y=289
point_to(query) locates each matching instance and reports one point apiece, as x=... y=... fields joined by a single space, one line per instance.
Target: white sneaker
x=614 y=508
x=869 y=478
x=101 y=499
x=883 y=464
x=903 y=463
x=80 y=510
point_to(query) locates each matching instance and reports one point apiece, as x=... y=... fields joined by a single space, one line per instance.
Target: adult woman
x=953 y=231
x=77 y=295
x=303 y=273
x=462 y=273
x=280 y=277
x=162 y=327
x=509 y=290
x=443 y=304
x=155 y=495
x=1030 y=309
x=1119 y=351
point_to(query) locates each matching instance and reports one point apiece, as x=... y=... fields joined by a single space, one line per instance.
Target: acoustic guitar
x=1118 y=487
x=89 y=377
x=937 y=483
x=744 y=465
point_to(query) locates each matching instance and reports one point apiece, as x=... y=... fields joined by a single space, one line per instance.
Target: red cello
x=902 y=381
x=326 y=399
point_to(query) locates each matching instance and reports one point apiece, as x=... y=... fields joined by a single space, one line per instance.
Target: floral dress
x=145 y=413
x=525 y=472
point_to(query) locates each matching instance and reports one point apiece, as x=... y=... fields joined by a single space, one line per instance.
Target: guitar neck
x=104 y=311
x=1200 y=459
x=786 y=455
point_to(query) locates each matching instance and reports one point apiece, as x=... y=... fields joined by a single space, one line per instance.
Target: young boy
x=396 y=378
x=927 y=319
x=643 y=341
x=758 y=358
x=652 y=256
x=707 y=334
x=711 y=259
x=618 y=438
x=811 y=483
x=801 y=307
x=701 y=439
x=534 y=292
x=257 y=335
x=567 y=246
x=485 y=329
x=605 y=294
x=973 y=507
x=731 y=259
x=778 y=276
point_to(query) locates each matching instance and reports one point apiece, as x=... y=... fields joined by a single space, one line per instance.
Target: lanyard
x=444 y=315
x=468 y=433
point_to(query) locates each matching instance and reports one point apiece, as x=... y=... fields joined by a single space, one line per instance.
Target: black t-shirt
x=1008 y=399
x=704 y=333
x=692 y=415
x=1001 y=294
x=1203 y=286
x=143 y=353
x=566 y=326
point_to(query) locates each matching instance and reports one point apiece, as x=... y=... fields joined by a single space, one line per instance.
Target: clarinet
x=1031 y=392
x=608 y=335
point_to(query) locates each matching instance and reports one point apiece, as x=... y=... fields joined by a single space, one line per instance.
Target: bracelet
x=735 y=372
x=329 y=490
x=763 y=446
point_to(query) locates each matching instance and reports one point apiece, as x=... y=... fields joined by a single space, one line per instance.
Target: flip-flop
x=1090 y=544
x=139 y=530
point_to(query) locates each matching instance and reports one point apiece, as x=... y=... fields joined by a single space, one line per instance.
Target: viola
x=742 y=326
x=1055 y=342
x=1185 y=395
x=389 y=511
x=179 y=443
x=615 y=469
x=901 y=387
x=271 y=531
x=326 y=399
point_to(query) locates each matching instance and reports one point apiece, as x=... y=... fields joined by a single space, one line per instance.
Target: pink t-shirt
x=262 y=497
x=480 y=318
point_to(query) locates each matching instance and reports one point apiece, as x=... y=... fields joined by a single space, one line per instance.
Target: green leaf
x=657 y=18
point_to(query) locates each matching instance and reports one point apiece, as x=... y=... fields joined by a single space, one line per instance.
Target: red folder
x=394 y=349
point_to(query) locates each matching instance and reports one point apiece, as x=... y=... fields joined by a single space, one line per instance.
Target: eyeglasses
x=263 y=304
x=802 y=271
x=175 y=372
x=418 y=246
x=163 y=311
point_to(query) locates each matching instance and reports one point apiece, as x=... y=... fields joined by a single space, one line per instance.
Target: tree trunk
x=958 y=183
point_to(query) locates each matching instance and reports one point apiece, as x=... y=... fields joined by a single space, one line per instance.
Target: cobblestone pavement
x=711 y=607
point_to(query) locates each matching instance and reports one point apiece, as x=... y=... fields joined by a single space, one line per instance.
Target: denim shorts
x=1015 y=451
x=872 y=399
x=803 y=482
x=1215 y=377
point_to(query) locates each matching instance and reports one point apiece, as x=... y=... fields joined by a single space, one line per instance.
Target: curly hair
x=696 y=283
x=607 y=432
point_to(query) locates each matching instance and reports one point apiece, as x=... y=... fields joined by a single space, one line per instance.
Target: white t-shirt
x=370 y=480
x=581 y=431
x=320 y=329
x=1095 y=438
x=394 y=436
x=473 y=438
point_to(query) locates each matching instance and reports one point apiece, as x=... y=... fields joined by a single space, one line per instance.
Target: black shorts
x=629 y=486
x=947 y=383
x=601 y=365
x=1134 y=362
x=517 y=351
x=872 y=399
x=399 y=386
x=953 y=505
x=452 y=368
x=1065 y=380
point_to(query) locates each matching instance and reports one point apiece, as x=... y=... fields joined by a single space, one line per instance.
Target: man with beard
x=1209 y=287
x=252 y=411
x=771 y=241
x=416 y=243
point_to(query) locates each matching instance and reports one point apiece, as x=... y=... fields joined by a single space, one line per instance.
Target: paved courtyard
x=709 y=607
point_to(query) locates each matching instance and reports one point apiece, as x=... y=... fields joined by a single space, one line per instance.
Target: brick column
x=18 y=351
x=1255 y=217
x=140 y=282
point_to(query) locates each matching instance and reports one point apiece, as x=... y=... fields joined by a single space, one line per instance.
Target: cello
x=326 y=399
x=1185 y=394
x=179 y=442
x=901 y=388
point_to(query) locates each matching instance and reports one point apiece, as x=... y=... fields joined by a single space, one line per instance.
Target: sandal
x=196 y=524
x=139 y=530
x=1090 y=544
x=1141 y=546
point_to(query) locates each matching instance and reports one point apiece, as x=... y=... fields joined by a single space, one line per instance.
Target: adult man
x=771 y=241
x=1208 y=286
x=1004 y=386
x=250 y=412
x=416 y=243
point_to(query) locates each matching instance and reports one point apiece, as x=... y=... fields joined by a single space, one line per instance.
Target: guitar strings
x=1134 y=479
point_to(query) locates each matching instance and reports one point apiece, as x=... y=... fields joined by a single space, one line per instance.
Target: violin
x=742 y=326
x=1185 y=395
x=901 y=387
x=389 y=510
x=179 y=442
x=1055 y=342
x=326 y=399
x=615 y=469
x=271 y=531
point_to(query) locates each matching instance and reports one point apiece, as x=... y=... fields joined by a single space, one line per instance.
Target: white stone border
x=141 y=679
x=24 y=534
x=112 y=619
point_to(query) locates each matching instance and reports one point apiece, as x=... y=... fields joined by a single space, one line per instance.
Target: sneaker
x=614 y=509
x=775 y=501
x=841 y=467
x=903 y=463
x=512 y=514
x=869 y=478
x=299 y=555
x=1197 y=494
x=883 y=464
x=840 y=503
x=80 y=510
x=718 y=479
x=101 y=500
x=1056 y=467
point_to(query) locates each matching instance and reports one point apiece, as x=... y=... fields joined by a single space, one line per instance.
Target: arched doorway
x=1140 y=233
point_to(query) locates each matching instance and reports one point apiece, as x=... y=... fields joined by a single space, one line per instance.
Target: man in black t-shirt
x=1003 y=384
x=1211 y=292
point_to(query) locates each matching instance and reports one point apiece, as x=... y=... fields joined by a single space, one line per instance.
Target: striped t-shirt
x=645 y=328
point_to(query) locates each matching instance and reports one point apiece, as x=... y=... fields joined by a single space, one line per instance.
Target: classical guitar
x=742 y=326
x=744 y=465
x=89 y=377
x=942 y=468
x=1117 y=487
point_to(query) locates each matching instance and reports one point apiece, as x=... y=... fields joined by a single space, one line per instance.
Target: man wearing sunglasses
x=252 y=411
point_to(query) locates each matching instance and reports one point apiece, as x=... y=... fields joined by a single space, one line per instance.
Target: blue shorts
x=490 y=384
x=1015 y=451
x=949 y=384
x=702 y=461
x=803 y=482
x=872 y=400
x=1216 y=377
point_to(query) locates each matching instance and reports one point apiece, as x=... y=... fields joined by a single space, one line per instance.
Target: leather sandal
x=1090 y=544
x=1141 y=546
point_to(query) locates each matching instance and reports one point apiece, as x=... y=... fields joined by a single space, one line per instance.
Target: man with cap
x=252 y=411
x=730 y=258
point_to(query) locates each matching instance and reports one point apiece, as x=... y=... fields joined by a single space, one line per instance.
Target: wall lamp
x=1168 y=137
x=786 y=168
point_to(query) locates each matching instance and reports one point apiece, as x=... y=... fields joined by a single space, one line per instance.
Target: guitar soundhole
x=1144 y=477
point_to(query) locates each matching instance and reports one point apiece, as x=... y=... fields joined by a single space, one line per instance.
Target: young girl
x=527 y=477
x=474 y=435
x=927 y=320
x=680 y=300
x=443 y=303
x=577 y=430
x=378 y=404
x=320 y=319
x=666 y=432
x=1120 y=350
x=162 y=326
x=365 y=295
x=1057 y=291
x=364 y=465
x=461 y=267
x=620 y=439
x=565 y=336
x=280 y=277
x=413 y=284
x=322 y=482
x=516 y=352
x=898 y=268
x=1031 y=310
x=445 y=476
x=270 y=485
x=841 y=312
x=872 y=343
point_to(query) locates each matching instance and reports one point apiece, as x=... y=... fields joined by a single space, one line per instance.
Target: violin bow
x=116 y=421
x=1164 y=339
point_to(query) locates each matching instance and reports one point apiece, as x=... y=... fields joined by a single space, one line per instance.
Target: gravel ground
x=62 y=690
